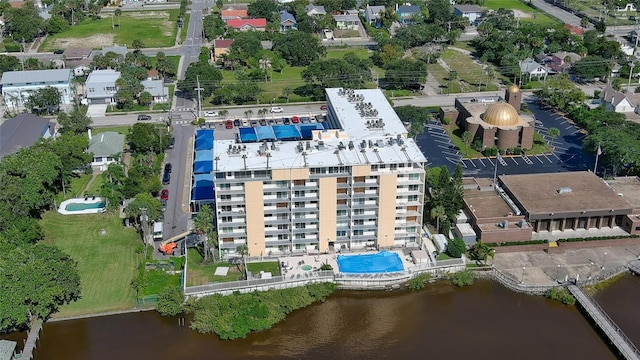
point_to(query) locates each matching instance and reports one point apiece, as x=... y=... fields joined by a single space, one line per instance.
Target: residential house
x=153 y=74
x=235 y=7
x=372 y=15
x=158 y=91
x=347 y=22
x=406 y=13
x=533 y=69
x=8 y=350
x=287 y=21
x=248 y=24
x=101 y=86
x=17 y=86
x=562 y=61
x=313 y=10
x=234 y=14
x=23 y=131
x=120 y=50
x=574 y=29
x=81 y=69
x=471 y=12
x=106 y=148
x=76 y=54
x=221 y=47
x=618 y=101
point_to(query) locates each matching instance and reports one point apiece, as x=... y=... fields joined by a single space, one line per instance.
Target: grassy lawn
x=536 y=16
x=470 y=74
x=442 y=75
x=443 y=256
x=124 y=130
x=107 y=263
x=74 y=189
x=271 y=266
x=201 y=274
x=95 y=186
x=455 y=133
x=156 y=280
x=153 y=28
x=134 y=107
x=185 y=26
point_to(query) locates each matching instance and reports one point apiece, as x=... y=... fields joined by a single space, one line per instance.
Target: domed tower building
x=495 y=122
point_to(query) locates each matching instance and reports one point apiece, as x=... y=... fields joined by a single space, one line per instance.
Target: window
x=226 y=219
x=299 y=193
x=225 y=186
x=358 y=212
x=301 y=226
x=341 y=213
x=283 y=237
x=414 y=187
x=412 y=198
x=225 y=208
x=299 y=182
x=281 y=195
x=225 y=197
x=283 y=227
x=227 y=229
x=414 y=176
x=358 y=222
x=341 y=233
x=358 y=232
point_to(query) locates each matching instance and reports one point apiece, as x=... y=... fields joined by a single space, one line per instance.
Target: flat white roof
x=355 y=144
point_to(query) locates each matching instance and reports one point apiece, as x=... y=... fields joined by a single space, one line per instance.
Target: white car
x=210 y=113
x=277 y=109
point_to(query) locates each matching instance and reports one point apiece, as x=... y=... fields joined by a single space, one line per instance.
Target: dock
x=615 y=335
x=32 y=340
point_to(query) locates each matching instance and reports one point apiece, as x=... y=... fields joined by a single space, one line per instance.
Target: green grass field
x=536 y=16
x=75 y=188
x=124 y=130
x=106 y=263
x=153 y=28
x=271 y=266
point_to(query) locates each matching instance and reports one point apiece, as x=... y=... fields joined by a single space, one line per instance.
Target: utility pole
x=198 y=89
x=145 y=229
x=630 y=74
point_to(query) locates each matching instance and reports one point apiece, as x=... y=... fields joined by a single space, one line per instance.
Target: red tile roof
x=576 y=30
x=234 y=13
x=256 y=23
x=222 y=43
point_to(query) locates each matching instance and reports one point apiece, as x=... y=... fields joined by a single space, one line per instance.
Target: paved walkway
x=541 y=268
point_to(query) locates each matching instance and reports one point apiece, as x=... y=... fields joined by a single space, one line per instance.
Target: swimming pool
x=382 y=262
x=89 y=205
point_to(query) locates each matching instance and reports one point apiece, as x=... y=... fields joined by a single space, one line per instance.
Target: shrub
x=326 y=267
x=463 y=278
x=446 y=121
x=170 y=301
x=417 y=283
x=456 y=248
x=561 y=294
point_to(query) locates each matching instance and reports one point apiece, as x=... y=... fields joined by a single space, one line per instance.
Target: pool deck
x=294 y=263
x=90 y=200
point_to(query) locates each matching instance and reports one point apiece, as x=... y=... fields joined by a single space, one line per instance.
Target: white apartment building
x=358 y=184
x=17 y=86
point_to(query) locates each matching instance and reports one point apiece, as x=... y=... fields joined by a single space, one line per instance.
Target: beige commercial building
x=357 y=184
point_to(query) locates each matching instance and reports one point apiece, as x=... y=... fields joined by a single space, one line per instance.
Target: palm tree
x=248 y=113
x=263 y=113
x=117 y=13
x=437 y=213
x=287 y=91
x=554 y=133
x=467 y=138
x=243 y=250
x=137 y=44
x=203 y=224
x=223 y=113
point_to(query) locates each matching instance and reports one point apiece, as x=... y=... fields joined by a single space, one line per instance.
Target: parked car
x=277 y=109
x=237 y=122
x=172 y=143
x=166 y=179
x=286 y=121
x=295 y=120
x=164 y=195
x=168 y=168
x=254 y=123
x=263 y=122
x=229 y=124
x=304 y=120
x=60 y=51
x=143 y=117
x=210 y=114
x=323 y=107
x=272 y=122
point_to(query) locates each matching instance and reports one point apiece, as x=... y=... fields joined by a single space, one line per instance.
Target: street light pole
x=604 y=259
x=523 y=269
x=557 y=272
x=590 y=270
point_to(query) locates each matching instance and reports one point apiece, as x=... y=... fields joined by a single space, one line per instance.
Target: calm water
x=621 y=302
x=484 y=321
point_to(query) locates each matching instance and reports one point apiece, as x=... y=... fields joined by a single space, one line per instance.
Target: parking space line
x=514 y=160
x=546 y=157
x=472 y=163
x=537 y=157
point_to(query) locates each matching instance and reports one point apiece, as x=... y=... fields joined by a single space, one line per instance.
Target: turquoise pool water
x=381 y=262
x=306 y=267
x=80 y=207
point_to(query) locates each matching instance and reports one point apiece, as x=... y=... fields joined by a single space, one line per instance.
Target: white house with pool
x=106 y=148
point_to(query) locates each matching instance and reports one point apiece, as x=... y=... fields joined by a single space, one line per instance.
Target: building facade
x=359 y=183
x=101 y=86
x=17 y=86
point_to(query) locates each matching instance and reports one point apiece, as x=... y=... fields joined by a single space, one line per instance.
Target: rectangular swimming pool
x=382 y=262
x=80 y=206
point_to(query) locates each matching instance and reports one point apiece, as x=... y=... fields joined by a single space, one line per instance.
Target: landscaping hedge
x=516 y=243
x=596 y=238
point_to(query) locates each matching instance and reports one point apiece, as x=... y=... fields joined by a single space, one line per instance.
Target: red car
x=295 y=120
x=164 y=195
x=229 y=124
x=323 y=107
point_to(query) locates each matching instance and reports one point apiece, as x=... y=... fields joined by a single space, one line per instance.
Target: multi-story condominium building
x=17 y=86
x=358 y=183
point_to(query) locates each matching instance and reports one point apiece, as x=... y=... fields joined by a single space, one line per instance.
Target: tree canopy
x=299 y=48
x=44 y=101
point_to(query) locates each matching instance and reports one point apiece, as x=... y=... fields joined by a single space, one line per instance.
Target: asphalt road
x=554 y=11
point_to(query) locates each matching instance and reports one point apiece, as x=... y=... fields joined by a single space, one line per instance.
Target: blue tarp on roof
x=202 y=187
x=247 y=134
x=204 y=139
x=305 y=129
x=203 y=155
x=286 y=132
x=265 y=133
x=202 y=167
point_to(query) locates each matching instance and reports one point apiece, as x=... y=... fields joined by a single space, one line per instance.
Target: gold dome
x=501 y=114
x=514 y=89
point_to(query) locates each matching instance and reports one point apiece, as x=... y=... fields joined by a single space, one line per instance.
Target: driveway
x=97 y=110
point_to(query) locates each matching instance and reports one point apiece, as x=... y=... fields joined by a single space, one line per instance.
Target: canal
x=484 y=321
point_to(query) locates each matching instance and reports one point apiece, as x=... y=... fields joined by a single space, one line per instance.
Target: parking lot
x=567 y=152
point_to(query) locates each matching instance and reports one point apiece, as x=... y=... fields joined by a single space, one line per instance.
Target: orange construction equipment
x=168 y=249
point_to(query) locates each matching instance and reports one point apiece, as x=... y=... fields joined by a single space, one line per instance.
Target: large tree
x=246 y=46
x=142 y=201
x=299 y=48
x=44 y=100
x=348 y=72
x=76 y=122
x=590 y=67
x=35 y=280
x=404 y=73
x=560 y=92
x=203 y=224
x=208 y=77
x=148 y=138
x=263 y=9
x=23 y=24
